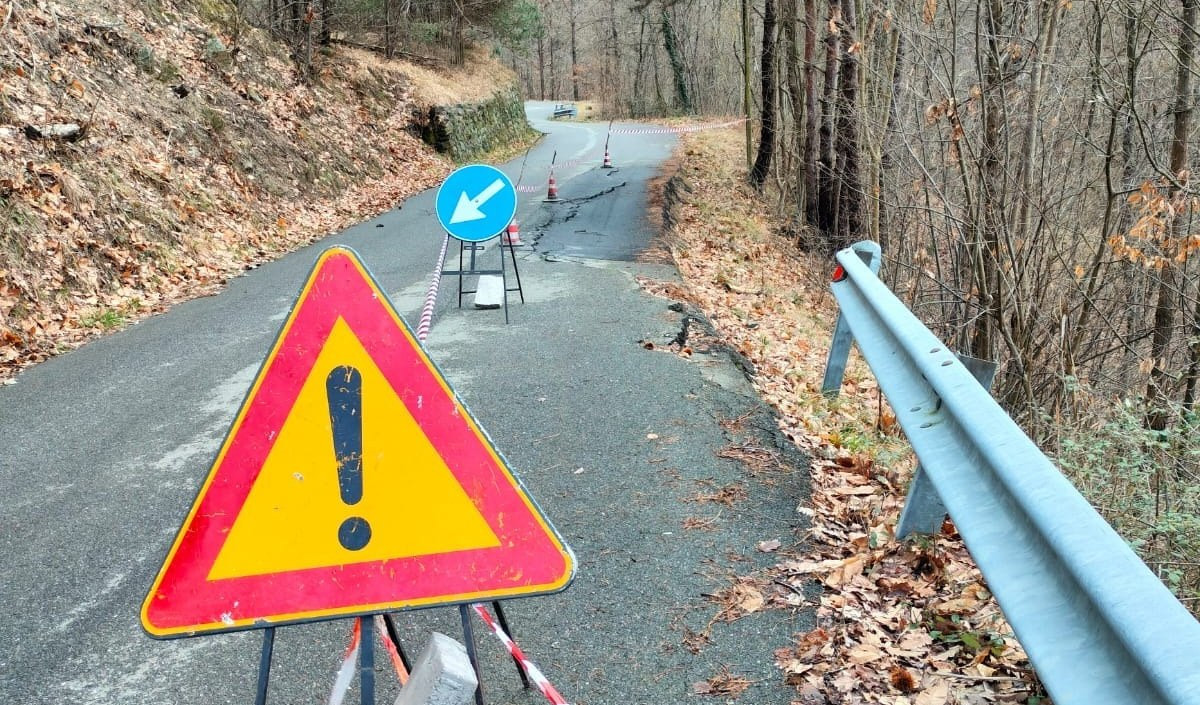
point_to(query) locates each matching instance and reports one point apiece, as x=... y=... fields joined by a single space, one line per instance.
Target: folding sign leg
x=464 y=613
x=504 y=283
x=394 y=635
x=264 y=666
x=366 y=660
x=512 y=253
x=508 y=630
x=460 y=272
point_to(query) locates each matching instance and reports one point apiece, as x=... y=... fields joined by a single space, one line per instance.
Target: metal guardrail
x=1097 y=624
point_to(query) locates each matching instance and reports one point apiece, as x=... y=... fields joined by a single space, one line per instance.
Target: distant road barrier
x=1097 y=624
x=603 y=156
x=674 y=130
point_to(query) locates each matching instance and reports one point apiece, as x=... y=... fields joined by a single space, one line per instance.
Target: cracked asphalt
x=619 y=445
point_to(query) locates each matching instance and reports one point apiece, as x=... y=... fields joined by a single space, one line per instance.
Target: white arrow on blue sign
x=476 y=203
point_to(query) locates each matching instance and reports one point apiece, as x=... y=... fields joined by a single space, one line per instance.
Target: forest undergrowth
x=899 y=622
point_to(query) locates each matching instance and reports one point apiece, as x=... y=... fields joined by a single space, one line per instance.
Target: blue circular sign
x=476 y=203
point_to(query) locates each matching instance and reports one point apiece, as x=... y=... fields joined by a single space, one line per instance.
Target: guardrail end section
x=839 y=350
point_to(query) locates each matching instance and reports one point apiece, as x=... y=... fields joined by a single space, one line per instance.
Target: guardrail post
x=839 y=349
x=923 y=511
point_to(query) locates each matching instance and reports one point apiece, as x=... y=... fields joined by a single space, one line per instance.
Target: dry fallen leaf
x=864 y=653
x=769 y=545
x=934 y=691
x=723 y=684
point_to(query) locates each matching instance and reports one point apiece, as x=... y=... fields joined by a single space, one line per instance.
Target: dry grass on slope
x=439 y=86
x=902 y=623
x=202 y=152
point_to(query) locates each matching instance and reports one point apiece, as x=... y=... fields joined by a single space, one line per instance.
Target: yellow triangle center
x=411 y=501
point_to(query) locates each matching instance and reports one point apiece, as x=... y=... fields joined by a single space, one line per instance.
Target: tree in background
x=766 y=147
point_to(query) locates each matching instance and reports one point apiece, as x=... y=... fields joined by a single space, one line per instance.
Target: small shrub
x=105 y=319
x=168 y=72
x=144 y=59
x=1146 y=484
x=212 y=119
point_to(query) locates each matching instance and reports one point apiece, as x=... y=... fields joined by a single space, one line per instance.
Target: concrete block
x=442 y=675
x=490 y=292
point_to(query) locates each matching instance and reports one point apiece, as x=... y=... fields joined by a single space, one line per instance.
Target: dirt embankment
x=196 y=150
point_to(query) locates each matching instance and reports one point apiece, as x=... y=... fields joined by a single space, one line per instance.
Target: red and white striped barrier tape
x=393 y=652
x=531 y=670
x=572 y=162
x=673 y=130
x=431 y=295
x=345 y=674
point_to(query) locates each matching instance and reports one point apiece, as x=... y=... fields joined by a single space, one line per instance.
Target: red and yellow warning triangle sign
x=352 y=481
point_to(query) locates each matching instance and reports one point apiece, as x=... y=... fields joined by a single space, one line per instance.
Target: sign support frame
x=366 y=662
x=472 y=269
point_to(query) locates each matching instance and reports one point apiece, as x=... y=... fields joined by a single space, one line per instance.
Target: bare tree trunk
x=678 y=71
x=990 y=222
x=541 y=53
x=766 y=142
x=389 y=37
x=616 y=81
x=879 y=233
x=325 y=34
x=1164 y=309
x=459 y=41
x=1193 y=371
x=848 y=198
x=574 y=52
x=826 y=219
x=794 y=148
x=1037 y=80
x=811 y=116
x=636 y=103
x=747 y=98
x=553 y=94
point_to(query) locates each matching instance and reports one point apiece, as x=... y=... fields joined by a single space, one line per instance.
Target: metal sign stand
x=366 y=655
x=464 y=613
x=472 y=268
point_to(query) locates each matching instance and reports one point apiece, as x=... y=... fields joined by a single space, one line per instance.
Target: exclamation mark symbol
x=343 y=387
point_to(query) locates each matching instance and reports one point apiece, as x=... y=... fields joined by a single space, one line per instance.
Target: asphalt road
x=104 y=449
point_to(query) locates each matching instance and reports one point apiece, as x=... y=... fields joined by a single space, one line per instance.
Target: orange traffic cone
x=512 y=235
x=607 y=160
x=552 y=191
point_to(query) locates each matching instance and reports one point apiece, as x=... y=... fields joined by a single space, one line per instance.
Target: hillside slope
x=200 y=151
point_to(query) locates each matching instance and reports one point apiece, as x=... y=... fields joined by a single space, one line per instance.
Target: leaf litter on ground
x=191 y=166
x=898 y=622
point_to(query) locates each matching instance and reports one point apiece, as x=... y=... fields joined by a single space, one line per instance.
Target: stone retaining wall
x=467 y=130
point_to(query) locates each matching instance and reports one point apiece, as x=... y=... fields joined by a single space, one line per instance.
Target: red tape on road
x=531 y=670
